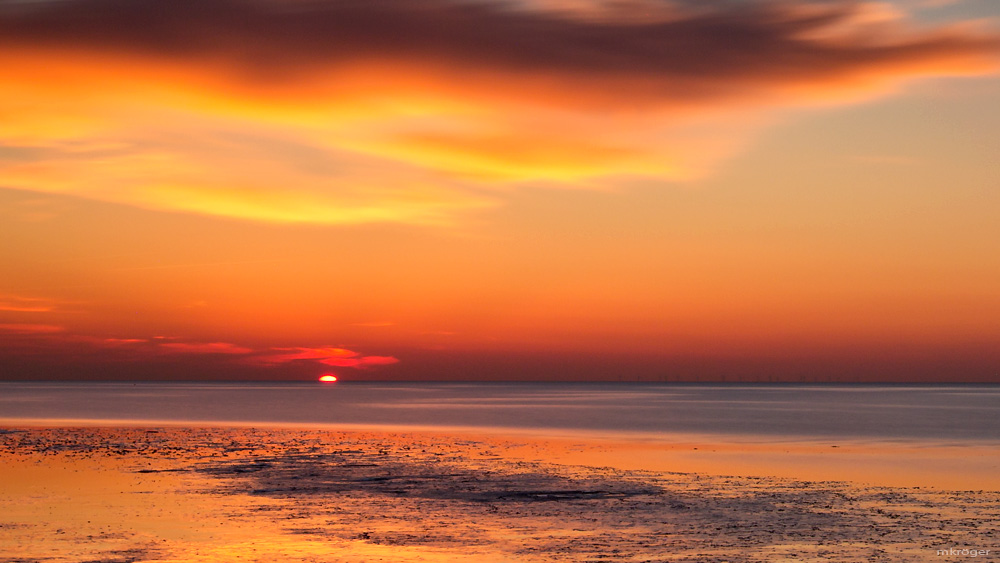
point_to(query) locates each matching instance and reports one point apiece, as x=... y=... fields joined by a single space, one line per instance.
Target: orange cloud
x=19 y=304
x=230 y=170
x=159 y=345
x=375 y=324
x=204 y=348
x=166 y=355
x=124 y=341
x=19 y=328
x=360 y=362
x=293 y=354
x=331 y=356
x=691 y=51
x=389 y=111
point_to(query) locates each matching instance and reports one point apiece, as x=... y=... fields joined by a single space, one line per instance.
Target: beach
x=174 y=493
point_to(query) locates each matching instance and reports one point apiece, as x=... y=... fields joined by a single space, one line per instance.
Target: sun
x=328 y=378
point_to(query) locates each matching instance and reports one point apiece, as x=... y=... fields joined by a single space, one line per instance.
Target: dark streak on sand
x=415 y=490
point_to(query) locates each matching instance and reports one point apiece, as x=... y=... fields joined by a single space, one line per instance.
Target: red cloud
x=21 y=304
x=360 y=362
x=114 y=341
x=327 y=355
x=204 y=348
x=293 y=354
x=16 y=328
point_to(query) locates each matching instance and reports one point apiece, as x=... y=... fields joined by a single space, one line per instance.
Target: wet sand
x=176 y=494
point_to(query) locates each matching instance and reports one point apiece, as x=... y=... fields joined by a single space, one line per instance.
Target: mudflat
x=207 y=494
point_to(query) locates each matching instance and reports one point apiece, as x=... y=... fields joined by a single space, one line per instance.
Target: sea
x=945 y=414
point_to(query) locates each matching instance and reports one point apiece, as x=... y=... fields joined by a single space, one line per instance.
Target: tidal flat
x=213 y=494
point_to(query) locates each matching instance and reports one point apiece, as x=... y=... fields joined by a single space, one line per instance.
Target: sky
x=622 y=190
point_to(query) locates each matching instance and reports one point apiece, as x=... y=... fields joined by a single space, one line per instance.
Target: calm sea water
x=948 y=414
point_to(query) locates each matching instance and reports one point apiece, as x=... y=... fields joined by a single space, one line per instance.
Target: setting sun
x=328 y=378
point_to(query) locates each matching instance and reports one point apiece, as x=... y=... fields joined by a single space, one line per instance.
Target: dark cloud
x=699 y=52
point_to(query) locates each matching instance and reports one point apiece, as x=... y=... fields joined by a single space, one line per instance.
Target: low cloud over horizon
x=51 y=342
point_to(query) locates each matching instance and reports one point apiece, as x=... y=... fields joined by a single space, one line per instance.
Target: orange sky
x=751 y=190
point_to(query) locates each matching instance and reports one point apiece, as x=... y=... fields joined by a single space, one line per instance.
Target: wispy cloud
x=123 y=341
x=693 y=51
x=392 y=111
x=23 y=307
x=22 y=304
x=204 y=348
x=329 y=355
x=283 y=355
x=360 y=361
x=25 y=328
x=326 y=355
x=57 y=340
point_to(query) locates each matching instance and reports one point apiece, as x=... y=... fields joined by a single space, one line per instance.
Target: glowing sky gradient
x=521 y=189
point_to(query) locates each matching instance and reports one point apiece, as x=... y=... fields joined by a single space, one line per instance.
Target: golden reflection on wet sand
x=956 y=467
x=116 y=495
